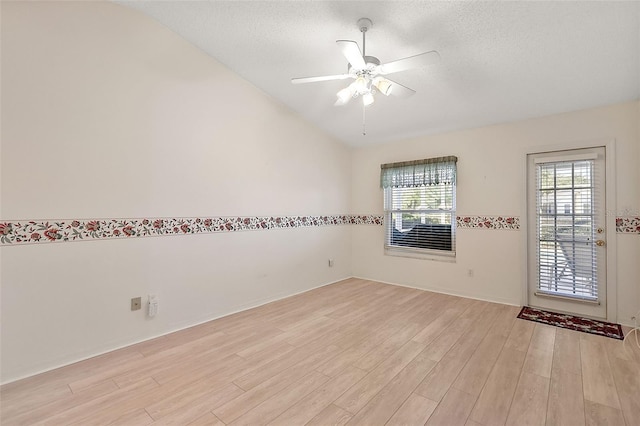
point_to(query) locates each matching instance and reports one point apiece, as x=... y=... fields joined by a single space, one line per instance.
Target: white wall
x=491 y=182
x=107 y=114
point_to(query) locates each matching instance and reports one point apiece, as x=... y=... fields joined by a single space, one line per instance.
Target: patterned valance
x=427 y=172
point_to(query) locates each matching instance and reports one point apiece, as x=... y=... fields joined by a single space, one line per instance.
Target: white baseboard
x=447 y=291
x=122 y=345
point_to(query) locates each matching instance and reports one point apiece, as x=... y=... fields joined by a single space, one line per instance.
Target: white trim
x=610 y=220
x=426 y=254
x=612 y=235
x=524 y=227
x=563 y=159
x=569 y=298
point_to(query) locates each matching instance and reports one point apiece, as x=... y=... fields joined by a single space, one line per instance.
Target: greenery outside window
x=420 y=206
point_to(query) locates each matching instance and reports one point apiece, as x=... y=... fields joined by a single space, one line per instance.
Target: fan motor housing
x=370 y=61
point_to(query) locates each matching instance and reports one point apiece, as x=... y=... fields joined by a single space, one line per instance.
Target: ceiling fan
x=369 y=74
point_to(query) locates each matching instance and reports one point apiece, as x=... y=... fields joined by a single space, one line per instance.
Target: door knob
x=600 y=243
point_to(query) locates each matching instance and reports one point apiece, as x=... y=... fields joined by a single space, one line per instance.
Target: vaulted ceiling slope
x=500 y=61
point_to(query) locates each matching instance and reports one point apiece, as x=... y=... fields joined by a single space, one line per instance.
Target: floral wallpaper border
x=488 y=222
x=49 y=231
x=624 y=225
x=628 y=224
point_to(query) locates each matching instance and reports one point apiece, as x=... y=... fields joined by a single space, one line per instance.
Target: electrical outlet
x=136 y=303
x=330 y=263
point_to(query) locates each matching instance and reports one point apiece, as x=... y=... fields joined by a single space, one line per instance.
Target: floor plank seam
x=519 y=377
x=615 y=384
x=149 y=414
x=467 y=362
x=553 y=361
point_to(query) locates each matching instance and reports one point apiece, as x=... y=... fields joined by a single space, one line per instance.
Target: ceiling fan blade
x=302 y=80
x=399 y=90
x=417 y=61
x=351 y=51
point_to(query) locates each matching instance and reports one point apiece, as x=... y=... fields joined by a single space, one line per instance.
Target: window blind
x=567 y=262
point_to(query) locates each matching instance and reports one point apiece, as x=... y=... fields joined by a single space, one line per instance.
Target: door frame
x=610 y=217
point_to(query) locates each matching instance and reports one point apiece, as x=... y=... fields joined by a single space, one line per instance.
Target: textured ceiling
x=500 y=61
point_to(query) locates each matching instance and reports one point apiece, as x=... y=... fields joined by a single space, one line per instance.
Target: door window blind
x=565 y=229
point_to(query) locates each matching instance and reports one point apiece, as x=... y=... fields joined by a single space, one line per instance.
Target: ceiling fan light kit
x=345 y=94
x=368 y=72
x=368 y=99
x=383 y=85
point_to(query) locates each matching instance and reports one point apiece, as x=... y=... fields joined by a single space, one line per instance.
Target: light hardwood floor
x=355 y=352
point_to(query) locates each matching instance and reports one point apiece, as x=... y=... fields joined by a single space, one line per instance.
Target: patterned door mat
x=571 y=322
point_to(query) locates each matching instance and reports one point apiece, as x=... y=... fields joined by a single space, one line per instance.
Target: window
x=420 y=206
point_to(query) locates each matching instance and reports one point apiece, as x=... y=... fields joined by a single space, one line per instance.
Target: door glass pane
x=582 y=170
x=547 y=175
x=547 y=228
x=546 y=201
x=564 y=177
x=582 y=228
x=564 y=201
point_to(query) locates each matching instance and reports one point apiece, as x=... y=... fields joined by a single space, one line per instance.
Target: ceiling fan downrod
x=364 y=24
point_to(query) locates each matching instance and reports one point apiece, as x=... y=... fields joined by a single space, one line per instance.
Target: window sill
x=435 y=255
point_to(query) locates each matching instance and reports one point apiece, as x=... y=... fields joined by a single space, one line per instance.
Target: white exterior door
x=567 y=232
